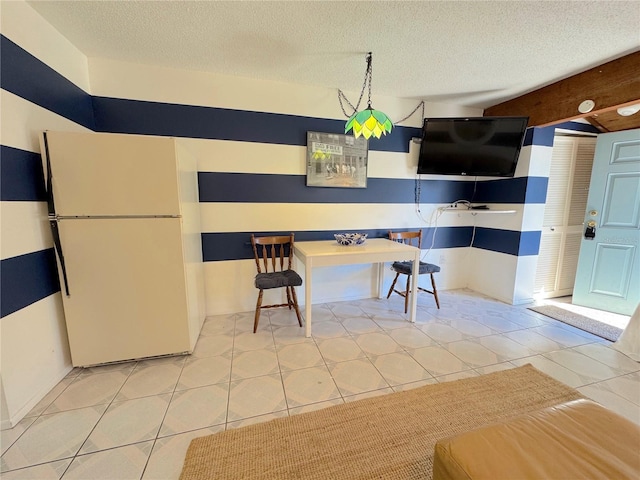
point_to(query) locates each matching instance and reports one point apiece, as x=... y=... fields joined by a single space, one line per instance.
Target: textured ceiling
x=473 y=53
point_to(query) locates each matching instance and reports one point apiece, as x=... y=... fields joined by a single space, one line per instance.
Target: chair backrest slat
x=407 y=237
x=273 y=252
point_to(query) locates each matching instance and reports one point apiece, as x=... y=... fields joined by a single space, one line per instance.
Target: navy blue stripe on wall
x=237 y=245
x=27 y=279
x=541 y=136
x=513 y=190
x=21 y=175
x=116 y=115
x=29 y=78
x=272 y=188
x=507 y=241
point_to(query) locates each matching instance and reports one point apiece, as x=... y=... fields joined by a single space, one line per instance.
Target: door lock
x=590 y=232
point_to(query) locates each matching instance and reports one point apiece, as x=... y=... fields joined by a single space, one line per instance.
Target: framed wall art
x=335 y=160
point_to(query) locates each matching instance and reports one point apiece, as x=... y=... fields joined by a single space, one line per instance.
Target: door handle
x=57 y=244
x=590 y=232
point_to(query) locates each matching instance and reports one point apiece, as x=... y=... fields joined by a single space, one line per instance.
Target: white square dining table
x=326 y=253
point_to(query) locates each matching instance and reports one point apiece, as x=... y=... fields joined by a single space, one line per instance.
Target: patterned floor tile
x=151 y=379
x=590 y=370
x=131 y=421
x=123 y=463
x=330 y=365
x=283 y=317
x=344 y=310
x=412 y=385
x=257 y=419
x=47 y=471
x=330 y=329
x=494 y=368
x=10 y=435
x=291 y=334
x=471 y=328
x=198 y=372
x=246 y=341
x=442 y=332
x=299 y=355
x=254 y=363
x=369 y=394
x=551 y=368
x=411 y=337
x=505 y=348
x=316 y=406
x=213 y=345
x=356 y=376
x=438 y=361
x=534 y=341
x=256 y=396
x=601 y=394
x=195 y=409
x=400 y=368
x=359 y=325
x=499 y=324
x=219 y=325
x=52 y=437
x=607 y=355
x=474 y=354
x=321 y=313
x=89 y=390
x=340 y=349
x=457 y=376
x=167 y=456
x=561 y=335
x=309 y=385
x=377 y=344
x=627 y=386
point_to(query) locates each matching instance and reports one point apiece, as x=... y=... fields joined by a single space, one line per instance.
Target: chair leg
x=435 y=291
x=393 y=284
x=295 y=305
x=289 y=302
x=407 y=292
x=257 y=317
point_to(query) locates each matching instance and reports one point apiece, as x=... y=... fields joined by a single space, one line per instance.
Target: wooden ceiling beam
x=609 y=85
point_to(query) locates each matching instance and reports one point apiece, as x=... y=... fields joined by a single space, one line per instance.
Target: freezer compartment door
x=103 y=174
x=127 y=294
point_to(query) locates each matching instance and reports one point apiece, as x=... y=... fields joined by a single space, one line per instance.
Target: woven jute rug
x=587 y=324
x=385 y=437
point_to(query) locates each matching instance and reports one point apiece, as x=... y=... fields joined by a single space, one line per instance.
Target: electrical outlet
x=442 y=259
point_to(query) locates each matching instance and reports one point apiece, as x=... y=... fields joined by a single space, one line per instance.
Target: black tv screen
x=477 y=146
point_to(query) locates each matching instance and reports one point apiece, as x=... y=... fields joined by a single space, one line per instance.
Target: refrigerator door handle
x=49 y=177
x=53 y=222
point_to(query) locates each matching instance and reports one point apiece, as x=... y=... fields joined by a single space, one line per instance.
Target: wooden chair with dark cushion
x=406 y=268
x=273 y=257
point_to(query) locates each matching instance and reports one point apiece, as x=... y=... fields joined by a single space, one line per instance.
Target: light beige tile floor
x=135 y=420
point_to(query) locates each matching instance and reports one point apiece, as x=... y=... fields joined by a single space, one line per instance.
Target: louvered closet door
x=563 y=215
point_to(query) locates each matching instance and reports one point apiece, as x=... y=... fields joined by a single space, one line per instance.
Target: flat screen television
x=476 y=146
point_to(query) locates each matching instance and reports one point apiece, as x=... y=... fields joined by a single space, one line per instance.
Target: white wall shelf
x=474 y=211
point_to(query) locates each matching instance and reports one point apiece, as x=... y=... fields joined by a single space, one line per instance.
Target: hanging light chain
x=367 y=80
x=370 y=75
x=342 y=96
x=421 y=104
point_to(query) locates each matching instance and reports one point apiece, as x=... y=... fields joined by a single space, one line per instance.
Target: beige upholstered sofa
x=574 y=440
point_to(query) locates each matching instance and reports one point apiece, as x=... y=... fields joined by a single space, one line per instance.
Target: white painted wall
x=229 y=284
x=34 y=351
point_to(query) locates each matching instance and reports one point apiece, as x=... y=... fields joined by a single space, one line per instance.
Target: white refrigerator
x=124 y=215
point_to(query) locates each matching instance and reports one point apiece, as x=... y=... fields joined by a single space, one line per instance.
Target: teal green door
x=608 y=274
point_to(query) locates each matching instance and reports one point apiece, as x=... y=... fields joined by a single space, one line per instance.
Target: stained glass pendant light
x=369 y=121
